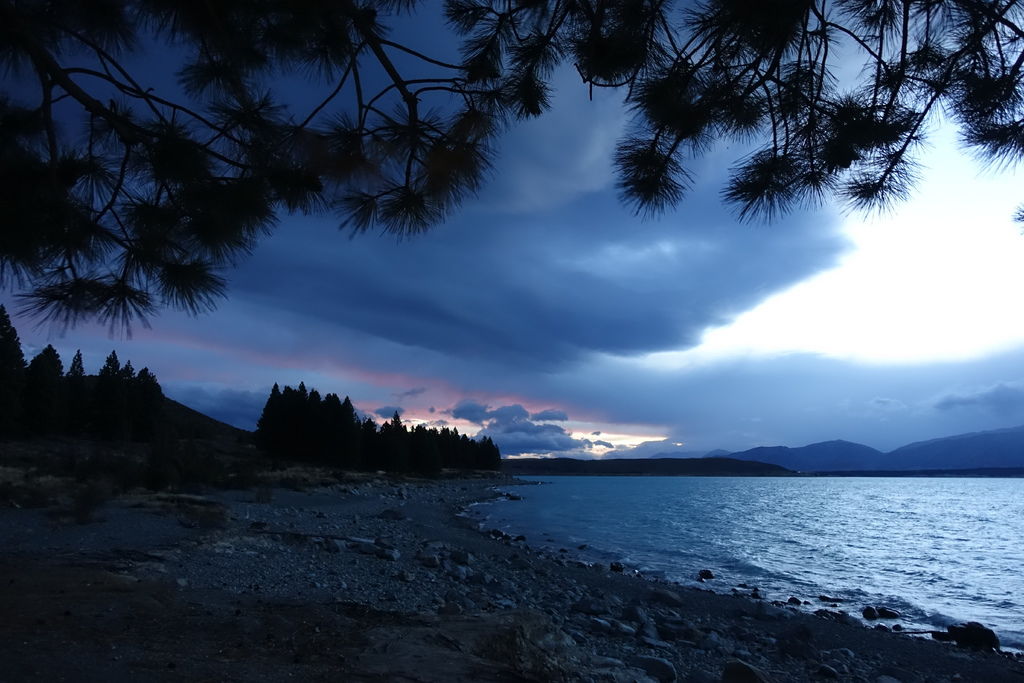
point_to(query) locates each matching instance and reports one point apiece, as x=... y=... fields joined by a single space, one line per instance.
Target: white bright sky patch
x=939 y=279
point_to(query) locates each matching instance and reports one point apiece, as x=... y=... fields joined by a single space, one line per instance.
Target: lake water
x=939 y=550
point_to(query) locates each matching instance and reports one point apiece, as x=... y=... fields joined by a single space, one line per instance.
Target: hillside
x=993 y=449
x=817 y=457
x=706 y=467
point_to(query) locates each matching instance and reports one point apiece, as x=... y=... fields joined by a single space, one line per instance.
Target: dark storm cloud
x=1003 y=398
x=544 y=284
x=468 y=409
x=516 y=431
x=604 y=444
x=550 y=415
x=388 y=411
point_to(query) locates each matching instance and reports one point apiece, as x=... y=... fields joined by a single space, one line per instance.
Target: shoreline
x=384 y=578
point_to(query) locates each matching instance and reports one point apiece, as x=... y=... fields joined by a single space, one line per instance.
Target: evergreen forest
x=299 y=424
x=39 y=398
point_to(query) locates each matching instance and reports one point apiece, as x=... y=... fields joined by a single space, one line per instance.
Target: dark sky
x=548 y=316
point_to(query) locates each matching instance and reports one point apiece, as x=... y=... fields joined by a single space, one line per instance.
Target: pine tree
x=147 y=404
x=352 y=437
x=426 y=457
x=12 y=377
x=395 y=445
x=270 y=428
x=210 y=166
x=78 y=409
x=44 y=402
x=110 y=402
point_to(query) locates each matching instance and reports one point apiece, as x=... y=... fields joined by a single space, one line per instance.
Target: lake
x=940 y=550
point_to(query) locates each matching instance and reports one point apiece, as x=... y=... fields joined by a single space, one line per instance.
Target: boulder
x=705 y=575
x=870 y=613
x=888 y=613
x=793 y=600
x=738 y=671
x=462 y=557
x=972 y=635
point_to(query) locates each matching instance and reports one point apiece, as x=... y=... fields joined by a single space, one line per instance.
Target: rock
x=365 y=547
x=974 y=635
x=664 y=596
x=462 y=557
x=738 y=671
x=793 y=600
x=826 y=598
x=392 y=514
x=882 y=627
x=705 y=575
x=887 y=679
x=388 y=554
x=870 y=613
x=182 y=583
x=591 y=606
x=897 y=627
x=656 y=667
x=798 y=643
x=888 y=613
x=826 y=671
x=616 y=567
x=429 y=560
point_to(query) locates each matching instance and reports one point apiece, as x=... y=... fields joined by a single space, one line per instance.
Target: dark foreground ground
x=380 y=580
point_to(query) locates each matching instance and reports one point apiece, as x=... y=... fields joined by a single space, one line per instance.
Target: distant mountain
x=997 y=448
x=188 y=423
x=818 y=457
x=708 y=467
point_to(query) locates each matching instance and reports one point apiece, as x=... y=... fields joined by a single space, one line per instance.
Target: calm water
x=938 y=550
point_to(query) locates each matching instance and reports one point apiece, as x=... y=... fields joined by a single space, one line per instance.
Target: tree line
x=39 y=398
x=299 y=424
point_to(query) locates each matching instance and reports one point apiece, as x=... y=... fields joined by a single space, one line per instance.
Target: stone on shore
x=657 y=667
x=738 y=671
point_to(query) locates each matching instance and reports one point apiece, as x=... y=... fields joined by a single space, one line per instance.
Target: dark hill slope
x=818 y=457
x=706 y=467
x=997 y=448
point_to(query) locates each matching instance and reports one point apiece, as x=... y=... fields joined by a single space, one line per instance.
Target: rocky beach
x=374 y=578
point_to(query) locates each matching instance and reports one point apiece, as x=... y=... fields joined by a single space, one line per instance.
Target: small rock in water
x=971 y=635
x=705 y=575
x=793 y=600
x=616 y=567
x=888 y=613
x=827 y=598
x=870 y=613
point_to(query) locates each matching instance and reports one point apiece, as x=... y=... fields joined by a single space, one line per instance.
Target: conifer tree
x=395 y=445
x=352 y=437
x=44 y=402
x=110 y=401
x=147 y=406
x=426 y=455
x=12 y=376
x=270 y=428
x=79 y=403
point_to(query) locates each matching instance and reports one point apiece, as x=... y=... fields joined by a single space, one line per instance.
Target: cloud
x=388 y=412
x=1003 y=398
x=471 y=410
x=411 y=393
x=887 y=404
x=515 y=431
x=604 y=444
x=550 y=415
